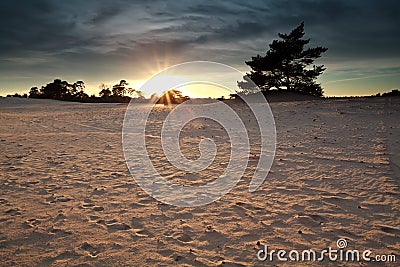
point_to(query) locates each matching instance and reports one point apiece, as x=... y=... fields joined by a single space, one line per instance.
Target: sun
x=158 y=84
x=161 y=83
x=189 y=88
x=205 y=90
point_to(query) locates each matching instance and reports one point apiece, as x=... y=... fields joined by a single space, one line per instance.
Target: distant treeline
x=394 y=92
x=62 y=90
x=65 y=91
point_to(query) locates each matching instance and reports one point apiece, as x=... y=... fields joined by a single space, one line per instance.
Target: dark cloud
x=44 y=37
x=104 y=14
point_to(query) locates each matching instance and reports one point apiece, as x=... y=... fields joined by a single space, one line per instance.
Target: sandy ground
x=68 y=199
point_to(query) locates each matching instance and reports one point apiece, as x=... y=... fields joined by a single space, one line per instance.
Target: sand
x=68 y=199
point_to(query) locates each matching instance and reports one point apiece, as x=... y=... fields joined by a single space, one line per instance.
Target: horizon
x=101 y=42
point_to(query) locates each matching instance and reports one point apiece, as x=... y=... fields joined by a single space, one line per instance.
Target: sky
x=106 y=41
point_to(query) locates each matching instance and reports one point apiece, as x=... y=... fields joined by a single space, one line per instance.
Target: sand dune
x=67 y=197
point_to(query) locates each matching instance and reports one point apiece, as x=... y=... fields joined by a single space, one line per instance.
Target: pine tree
x=287 y=64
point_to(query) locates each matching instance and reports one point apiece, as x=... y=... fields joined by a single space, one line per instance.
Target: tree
x=287 y=64
x=80 y=95
x=394 y=92
x=130 y=91
x=77 y=90
x=120 y=89
x=105 y=92
x=60 y=90
x=34 y=92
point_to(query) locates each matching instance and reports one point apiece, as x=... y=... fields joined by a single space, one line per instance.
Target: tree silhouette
x=120 y=89
x=105 y=92
x=77 y=90
x=394 y=92
x=60 y=90
x=287 y=64
x=34 y=92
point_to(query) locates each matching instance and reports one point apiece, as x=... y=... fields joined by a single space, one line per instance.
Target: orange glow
x=202 y=90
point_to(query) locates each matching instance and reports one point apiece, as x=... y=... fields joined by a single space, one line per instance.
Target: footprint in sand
x=89 y=205
x=227 y=263
x=98 y=191
x=91 y=250
x=98 y=208
x=345 y=203
x=59 y=232
x=138 y=228
x=312 y=220
x=143 y=233
x=117 y=227
x=390 y=230
x=136 y=223
x=185 y=238
x=13 y=212
x=62 y=256
x=4 y=202
x=59 y=217
x=54 y=199
x=114 y=225
x=93 y=218
x=31 y=223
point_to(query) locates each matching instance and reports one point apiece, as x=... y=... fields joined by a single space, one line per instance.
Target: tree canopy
x=286 y=65
x=62 y=90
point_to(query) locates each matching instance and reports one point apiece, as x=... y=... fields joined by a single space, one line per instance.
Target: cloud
x=102 y=38
x=104 y=14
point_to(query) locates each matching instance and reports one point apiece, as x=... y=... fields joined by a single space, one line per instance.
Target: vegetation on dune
x=118 y=93
x=62 y=90
x=394 y=92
